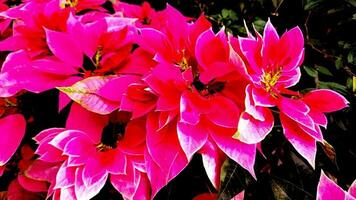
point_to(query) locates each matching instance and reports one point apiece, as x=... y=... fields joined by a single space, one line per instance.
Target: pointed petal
x=242 y=153
x=85 y=93
x=352 y=189
x=325 y=100
x=12 y=130
x=64 y=47
x=296 y=110
x=328 y=190
x=252 y=131
x=224 y=112
x=191 y=137
x=91 y=123
x=31 y=184
x=217 y=44
x=301 y=141
x=213 y=158
x=65 y=177
x=85 y=193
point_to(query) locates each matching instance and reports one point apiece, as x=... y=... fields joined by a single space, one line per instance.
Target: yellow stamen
x=103 y=147
x=270 y=79
x=98 y=55
x=68 y=3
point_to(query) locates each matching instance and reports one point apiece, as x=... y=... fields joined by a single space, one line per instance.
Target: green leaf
x=324 y=70
x=332 y=86
x=228 y=14
x=259 y=24
x=339 y=63
x=350 y=57
x=279 y=190
x=233 y=178
x=310 y=71
x=352 y=2
x=312 y=4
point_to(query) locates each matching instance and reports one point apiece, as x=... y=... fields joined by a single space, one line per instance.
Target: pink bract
x=328 y=189
x=12 y=130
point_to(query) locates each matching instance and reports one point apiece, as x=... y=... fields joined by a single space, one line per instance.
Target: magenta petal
x=324 y=100
x=47 y=134
x=213 y=158
x=156 y=42
x=119 y=85
x=301 y=141
x=126 y=183
x=352 y=189
x=188 y=113
x=293 y=43
x=262 y=98
x=256 y=112
x=328 y=190
x=42 y=171
x=53 y=66
x=82 y=119
x=78 y=146
x=164 y=147
x=64 y=100
x=224 y=112
x=83 y=192
x=12 y=130
x=132 y=185
x=252 y=131
x=296 y=110
x=160 y=177
x=31 y=184
x=64 y=47
x=270 y=42
x=92 y=173
x=242 y=153
x=65 y=176
x=191 y=137
x=217 y=45
x=239 y=196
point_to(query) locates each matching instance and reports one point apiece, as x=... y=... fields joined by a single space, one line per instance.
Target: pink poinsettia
x=85 y=49
x=145 y=14
x=85 y=160
x=29 y=23
x=329 y=190
x=196 y=96
x=272 y=65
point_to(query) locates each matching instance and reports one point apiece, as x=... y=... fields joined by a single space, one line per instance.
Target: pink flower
x=272 y=64
x=30 y=21
x=316 y=103
x=145 y=14
x=85 y=49
x=86 y=160
x=329 y=190
x=196 y=93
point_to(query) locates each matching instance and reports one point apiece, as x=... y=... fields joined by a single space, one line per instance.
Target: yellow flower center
x=270 y=79
x=184 y=65
x=68 y=3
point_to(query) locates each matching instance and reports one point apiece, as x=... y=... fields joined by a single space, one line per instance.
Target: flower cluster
x=147 y=90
